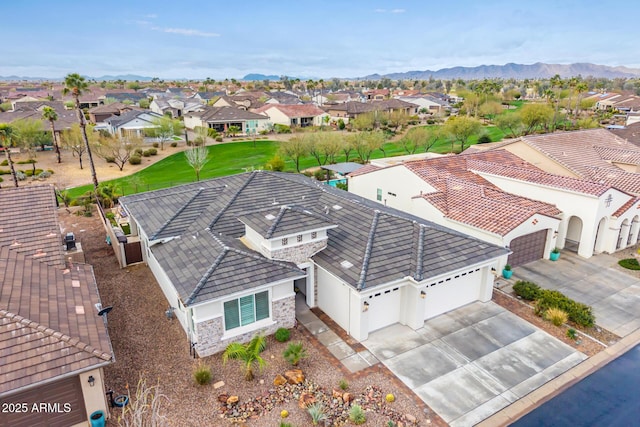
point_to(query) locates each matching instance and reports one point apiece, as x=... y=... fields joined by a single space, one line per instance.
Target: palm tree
x=6 y=134
x=76 y=86
x=248 y=353
x=50 y=114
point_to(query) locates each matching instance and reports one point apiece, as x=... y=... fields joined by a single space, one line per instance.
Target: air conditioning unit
x=70 y=241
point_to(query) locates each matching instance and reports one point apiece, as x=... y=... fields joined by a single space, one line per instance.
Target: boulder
x=279 y=380
x=305 y=400
x=294 y=376
x=336 y=393
x=232 y=400
x=222 y=398
x=347 y=397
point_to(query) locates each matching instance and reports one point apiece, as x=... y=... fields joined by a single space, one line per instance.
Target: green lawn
x=238 y=157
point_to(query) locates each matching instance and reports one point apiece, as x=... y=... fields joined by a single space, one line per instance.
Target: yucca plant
x=556 y=316
x=316 y=411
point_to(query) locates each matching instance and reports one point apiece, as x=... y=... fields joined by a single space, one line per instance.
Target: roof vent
x=346 y=264
x=337 y=207
x=270 y=217
x=79 y=309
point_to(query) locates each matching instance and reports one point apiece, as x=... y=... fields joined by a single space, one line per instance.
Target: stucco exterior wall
x=538 y=159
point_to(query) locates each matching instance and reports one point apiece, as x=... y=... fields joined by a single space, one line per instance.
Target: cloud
x=389 y=11
x=185 y=32
x=151 y=16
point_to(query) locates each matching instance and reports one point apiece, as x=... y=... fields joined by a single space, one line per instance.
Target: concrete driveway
x=472 y=362
x=613 y=294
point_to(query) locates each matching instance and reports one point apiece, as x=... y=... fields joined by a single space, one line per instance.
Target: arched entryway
x=598 y=246
x=574 y=233
x=623 y=234
x=635 y=229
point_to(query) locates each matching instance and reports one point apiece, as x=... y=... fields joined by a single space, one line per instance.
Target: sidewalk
x=354 y=359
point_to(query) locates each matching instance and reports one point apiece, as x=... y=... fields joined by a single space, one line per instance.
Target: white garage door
x=452 y=292
x=384 y=308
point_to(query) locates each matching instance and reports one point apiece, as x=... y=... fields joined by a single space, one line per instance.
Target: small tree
x=117 y=150
x=164 y=129
x=294 y=149
x=6 y=137
x=234 y=130
x=197 y=157
x=461 y=129
x=72 y=139
x=248 y=353
x=51 y=115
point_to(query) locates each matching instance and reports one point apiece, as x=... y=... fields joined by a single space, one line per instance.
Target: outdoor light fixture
x=423 y=294
x=366 y=306
x=91 y=381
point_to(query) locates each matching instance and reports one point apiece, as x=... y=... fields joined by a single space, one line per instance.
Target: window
x=379 y=195
x=314 y=234
x=285 y=241
x=299 y=238
x=246 y=310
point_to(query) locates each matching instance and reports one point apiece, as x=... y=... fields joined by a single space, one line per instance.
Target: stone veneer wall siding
x=209 y=332
x=298 y=253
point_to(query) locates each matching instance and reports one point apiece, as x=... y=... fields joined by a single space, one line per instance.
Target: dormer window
x=285 y=241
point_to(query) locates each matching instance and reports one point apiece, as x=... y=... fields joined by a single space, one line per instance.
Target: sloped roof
x=293 y=111
x=285 y=220
x=381 y=244
x=129 y=116
x=227 y=114
x=48 y=321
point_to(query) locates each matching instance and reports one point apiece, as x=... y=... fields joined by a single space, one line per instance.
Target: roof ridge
x=367 y=251
x=207 y=274
x=233 y=199
x=175 y=215
x=75 y=342
x=276 y=221
x=420 y=252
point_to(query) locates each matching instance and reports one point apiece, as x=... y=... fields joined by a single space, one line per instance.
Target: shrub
x=344 y=385
x=307 y=174
x=282 y=335
x=152 y=151
x=555 y=251
x=572 y=334
x=135 y=160
x=629 y=263
x=138 y=151
x=4 y=163
x=174 y=144
x=44 y=174
x=341 y=124
x=155 y=145
x=484 y=139
x=286 y=425
x=294 y=353
x=218 y=138
x=146 y=153
x=507 y=267
x=21 y=176
x=390 y=398
x=202 y=374
x=526 y=290
x=321 y=174
x=110 y=159
x=342 y=186
x=316 y=411
x=356 y=415
x=25 y=162
x=278 y=128
x=556 y=316
x=276 y=164
x=579 y=313
x=5 y=172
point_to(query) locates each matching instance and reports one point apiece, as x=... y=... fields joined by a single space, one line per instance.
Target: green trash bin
x=97 y=419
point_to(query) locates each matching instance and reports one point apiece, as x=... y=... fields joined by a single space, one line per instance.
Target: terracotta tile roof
x=293 y=111
x=48 y=321
x=631 y=157
x=618 y=178
x=364 y=170
x=630 y=203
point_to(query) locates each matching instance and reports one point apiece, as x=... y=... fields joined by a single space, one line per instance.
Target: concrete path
x=472 y=362
x=352 y=360
x=613 y=294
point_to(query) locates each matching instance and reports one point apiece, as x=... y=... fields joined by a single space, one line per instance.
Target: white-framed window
x=379 y=195
x=246 y=310
x=299 y=238
x=285 y=241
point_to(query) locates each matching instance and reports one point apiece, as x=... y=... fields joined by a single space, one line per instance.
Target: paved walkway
x=354 y=359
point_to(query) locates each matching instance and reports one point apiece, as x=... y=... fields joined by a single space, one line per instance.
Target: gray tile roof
x=381 y=243
x=285 y=220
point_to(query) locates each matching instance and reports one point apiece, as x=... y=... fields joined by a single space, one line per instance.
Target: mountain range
x=538 y=70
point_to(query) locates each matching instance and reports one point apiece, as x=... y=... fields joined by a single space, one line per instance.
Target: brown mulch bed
x=584 y=343
x=148 y=345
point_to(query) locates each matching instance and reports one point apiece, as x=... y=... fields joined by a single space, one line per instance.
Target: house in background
x=103 y=112
x=293 y=115
x=53 y=344
x=427 y=103
x=33 y=111
x=222 y=118
x=131 y=123
x=228 y=254
x=133 y=98
x=175 y=107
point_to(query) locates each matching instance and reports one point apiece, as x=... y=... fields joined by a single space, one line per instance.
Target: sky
x=307 y=39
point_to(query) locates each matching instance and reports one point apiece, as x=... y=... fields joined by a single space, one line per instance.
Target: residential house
x=605 y=101
x=630 y=133
x=131 y=123
x=448 y=191
x=205 y=97
x=245 y=101
x=352 y=109
x=131 y=97
x=222 y=118
x=293 y=115
x=428 y=104
x=377 y=94
x=33 y=111
x=103 y=112
x=175 y=107
x=280 y=97
x=53 y=344
x=604 y=196
x=229 y=254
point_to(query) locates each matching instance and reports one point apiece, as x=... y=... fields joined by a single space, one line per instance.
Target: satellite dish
x=105 y=310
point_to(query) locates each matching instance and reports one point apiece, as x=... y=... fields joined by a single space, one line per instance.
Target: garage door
x=384 y=308
x=453 y=292
x=527 y=248
x=59 y=404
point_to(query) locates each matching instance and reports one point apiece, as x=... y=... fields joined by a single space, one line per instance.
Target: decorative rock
x=347 y=397
x=279 y=380
x=336 y=393
x=232 y=400
x=305 y=400
x=223 y=398
x=261 y=381
x=410 y=418
x=218 y=384
x=294 y=376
